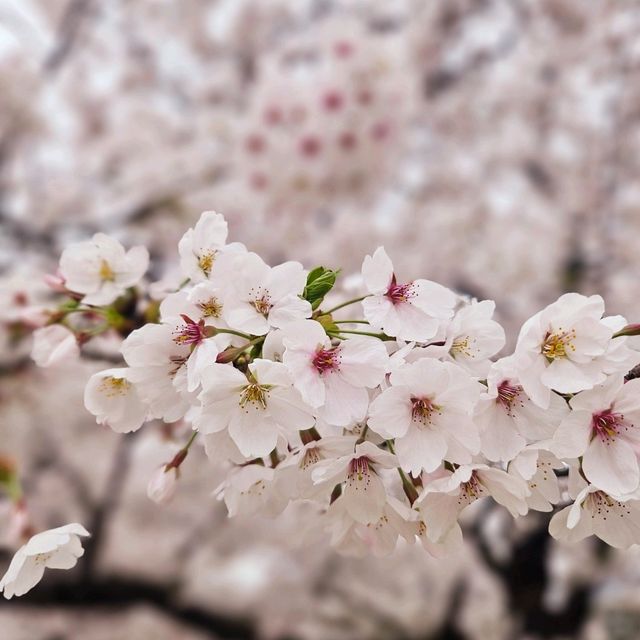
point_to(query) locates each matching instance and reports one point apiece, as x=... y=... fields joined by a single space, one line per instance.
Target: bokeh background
x=491 y=145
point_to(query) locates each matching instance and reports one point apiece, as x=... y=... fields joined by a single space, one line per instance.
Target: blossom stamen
x=205 y=262
x=400 y=293
x=607 y=425
x=422 y=410
x=106 y=273
x=255 y=394
x=327 y=360
x=558 y=344
x=113 y=386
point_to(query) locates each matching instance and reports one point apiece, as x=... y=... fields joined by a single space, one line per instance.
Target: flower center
x=311 y=456
x=43 y=558
x=327 y=360
x=255 y=394
x=471 y=490
x=189 y=333
x=558 y=344
x=422 y=410
x=211 y=308
x=462 y=346
x=508 y=394
x=106 y=272
x=607 y=425
x=358 y=470
x=400 y=293
x=263 y=304
x=205 y=262
x=113 y=387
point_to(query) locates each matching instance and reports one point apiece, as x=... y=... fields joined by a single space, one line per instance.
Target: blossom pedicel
x=389 y=412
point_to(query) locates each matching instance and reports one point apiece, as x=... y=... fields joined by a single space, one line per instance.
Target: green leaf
x=319 y=282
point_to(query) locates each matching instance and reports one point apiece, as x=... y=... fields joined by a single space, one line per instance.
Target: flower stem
x=380 y=336
x=246 y=336
x=407 y=486
x=345 y=304
x=350 y=322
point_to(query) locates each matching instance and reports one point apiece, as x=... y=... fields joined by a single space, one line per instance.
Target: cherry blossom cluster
x=328 y=114
x=379 y=418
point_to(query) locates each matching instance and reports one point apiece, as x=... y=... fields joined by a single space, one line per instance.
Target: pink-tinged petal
x=408 y=322
x=434 y=299
x=460 y=428
x=289 y=309
x=289 y=411
x=421 y=449
x=572 y=437
x=618 y=523
x=530 y=372
x=377 y=271
x=508 y=490
x=253 y=430
x=305 y=377
x=627 y=400
x=566 y=376
x=344 y=403
x=440 y=512
x=363 y=361
x=500 y=438
x=304 y=335
x=216 y=416
x=390 y=413
x=376 y=311
x=243 y=316
x=560 y=531
x=611 y=465
x=364 y=496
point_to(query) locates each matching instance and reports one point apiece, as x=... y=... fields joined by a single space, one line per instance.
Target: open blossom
x=443 y=499
x=265 y=297
x=53 y=549
x=256 y=408
x=427 y=409
x=411 y=311
x=113 y=398
x=615 y=520
x=53 y=345
x=333 y=378
x=293 y=474
x=202 y=246
x=158 y=366
x=604 y=428
x=507 y=417
x=101 y=269
x=378 y=538
x=363 y=493
x=565 y=347
x=537 y=468
x=471 y=338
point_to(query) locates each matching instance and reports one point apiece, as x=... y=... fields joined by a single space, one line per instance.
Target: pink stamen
x=508 y=395
x=190 y=333
x=400 y=293
x=327 y=360
x=607 y=425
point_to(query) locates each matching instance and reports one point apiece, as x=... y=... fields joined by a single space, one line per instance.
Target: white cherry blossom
x=256 y=408
x=564 y=347
x=202 y=247
x=333 y=378
x=537 y=467
x=101 y=269
x=507 y=417
x=57 y=548
x=158 y=367
x=412 y=311
x=265 y=297
x=443 y=499
x=615 y=520
x=427 y=409
x=604 y=429
x=114 y=399
x=471 y=338
x=363 y=494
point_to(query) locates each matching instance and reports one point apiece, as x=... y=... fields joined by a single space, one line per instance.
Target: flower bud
x=162 y=484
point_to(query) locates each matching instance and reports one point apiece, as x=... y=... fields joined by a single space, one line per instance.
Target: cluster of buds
x=385 y=415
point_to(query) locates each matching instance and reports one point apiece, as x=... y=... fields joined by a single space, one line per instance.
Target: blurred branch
x=68 y=30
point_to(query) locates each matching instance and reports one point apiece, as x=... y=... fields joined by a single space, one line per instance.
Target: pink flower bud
x=162 y=484
x=55 y=281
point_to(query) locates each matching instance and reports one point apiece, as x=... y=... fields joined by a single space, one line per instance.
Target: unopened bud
x=162 y=484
